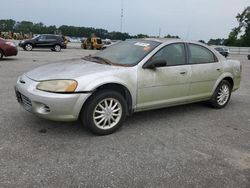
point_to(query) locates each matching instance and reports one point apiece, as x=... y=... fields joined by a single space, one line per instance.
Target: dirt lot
x=184 y=146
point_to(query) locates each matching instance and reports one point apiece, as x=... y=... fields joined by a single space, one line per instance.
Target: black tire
x=28 y=47
x=57 y=48
x=214 y=101
x=92 y=106
x=1 y=54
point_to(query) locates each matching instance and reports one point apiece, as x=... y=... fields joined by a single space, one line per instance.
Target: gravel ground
x=184 y=146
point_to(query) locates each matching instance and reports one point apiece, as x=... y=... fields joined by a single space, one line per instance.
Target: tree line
x=240 y=35
x=27 y=27
x=9 y=25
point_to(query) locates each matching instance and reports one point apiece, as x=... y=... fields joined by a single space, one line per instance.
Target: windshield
x=127 y=53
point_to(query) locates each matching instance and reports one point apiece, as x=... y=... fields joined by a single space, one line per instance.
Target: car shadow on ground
x=8 y=59
x=41 y=50
x=136 y=121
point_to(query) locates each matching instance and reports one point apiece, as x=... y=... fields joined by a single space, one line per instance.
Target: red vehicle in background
x=7 y=48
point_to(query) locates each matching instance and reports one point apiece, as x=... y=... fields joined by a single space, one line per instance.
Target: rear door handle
x=218 y=69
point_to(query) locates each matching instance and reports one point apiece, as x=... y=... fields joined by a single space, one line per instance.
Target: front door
x=41 y=42
x=168 y=85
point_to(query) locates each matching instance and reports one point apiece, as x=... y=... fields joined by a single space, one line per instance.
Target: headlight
x=58 y=86
x=10 y=44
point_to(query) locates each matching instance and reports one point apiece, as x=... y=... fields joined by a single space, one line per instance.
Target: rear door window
x=50 y=37
x=199 y=54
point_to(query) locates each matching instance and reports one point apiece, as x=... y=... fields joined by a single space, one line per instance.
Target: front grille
x=26 y=102
x=23 y=100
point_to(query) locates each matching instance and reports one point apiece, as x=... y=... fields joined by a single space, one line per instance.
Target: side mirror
x=152 y=64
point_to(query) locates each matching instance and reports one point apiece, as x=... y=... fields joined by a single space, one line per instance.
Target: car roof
x=51 y=35
x=173 y=40
x=163 y=40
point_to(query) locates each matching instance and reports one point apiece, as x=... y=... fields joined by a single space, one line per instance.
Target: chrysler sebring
x=128 y=77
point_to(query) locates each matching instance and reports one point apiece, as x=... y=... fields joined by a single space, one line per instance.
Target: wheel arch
x=2 y=51
x=57 y=44
x=227 y=77
x=123 y=90
x=29 y=43
x=230 y=80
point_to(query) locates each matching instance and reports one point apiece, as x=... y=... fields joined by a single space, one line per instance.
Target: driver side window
x=41 y=38
x=173 y=54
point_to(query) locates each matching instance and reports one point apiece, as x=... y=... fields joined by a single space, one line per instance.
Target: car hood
x=26 y=41
x=69 y=69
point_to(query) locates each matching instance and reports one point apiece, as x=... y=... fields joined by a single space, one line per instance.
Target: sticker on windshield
x=146 y=49
x=142 y=44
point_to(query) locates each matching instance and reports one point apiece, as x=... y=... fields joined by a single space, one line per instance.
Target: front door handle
x=183 y=72
x=218 y=69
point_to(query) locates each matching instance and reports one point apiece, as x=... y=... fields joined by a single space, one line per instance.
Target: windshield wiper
x=102 y=60
x=106 y=61
x=97 y=60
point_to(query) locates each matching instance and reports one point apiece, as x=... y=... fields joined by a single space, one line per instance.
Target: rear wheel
x=104 y=112
x=57 y=48
x=28 y=47
x=221 y=95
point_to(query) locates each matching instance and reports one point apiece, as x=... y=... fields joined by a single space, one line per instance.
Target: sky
x=189 y=19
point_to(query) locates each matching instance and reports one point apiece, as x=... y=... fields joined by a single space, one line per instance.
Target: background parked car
x=7 y=48
x=54 y=42
x=223 y=51
x=92 y=43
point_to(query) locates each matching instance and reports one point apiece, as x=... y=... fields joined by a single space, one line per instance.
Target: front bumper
x=52 y=106
x=11 y=51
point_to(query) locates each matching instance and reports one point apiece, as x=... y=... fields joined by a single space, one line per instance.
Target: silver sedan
x=128 y=77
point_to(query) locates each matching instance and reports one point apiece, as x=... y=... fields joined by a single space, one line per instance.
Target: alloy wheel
x=28 y=47
x=107 y=113
x=57 y=48
x=223 y=95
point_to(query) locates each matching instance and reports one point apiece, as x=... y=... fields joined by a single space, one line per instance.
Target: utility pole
x=159 y=32
x=121 y=26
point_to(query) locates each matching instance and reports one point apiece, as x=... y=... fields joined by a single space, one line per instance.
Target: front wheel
x=28 y=47
x=221 y=95
x=1 y=54
x=104 y=112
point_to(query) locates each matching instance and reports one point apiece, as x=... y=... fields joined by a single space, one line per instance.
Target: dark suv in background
x=223 y=51
x=54 y=42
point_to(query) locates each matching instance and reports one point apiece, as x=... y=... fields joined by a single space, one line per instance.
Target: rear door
x=206 y=69
x=52 y=40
